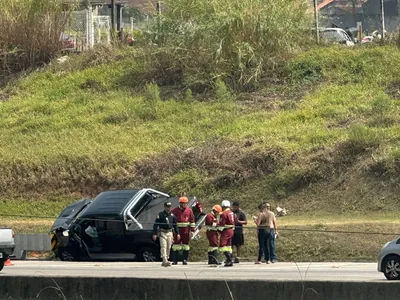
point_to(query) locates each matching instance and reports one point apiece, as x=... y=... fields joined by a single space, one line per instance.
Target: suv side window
x=141 y=205
x=137 y=210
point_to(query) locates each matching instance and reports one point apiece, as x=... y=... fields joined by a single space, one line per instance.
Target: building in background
x=346 y=13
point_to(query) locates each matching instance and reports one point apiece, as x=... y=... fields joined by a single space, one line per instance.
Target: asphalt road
x=246 y=271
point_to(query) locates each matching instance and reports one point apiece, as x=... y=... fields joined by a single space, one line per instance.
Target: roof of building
x=342 y=4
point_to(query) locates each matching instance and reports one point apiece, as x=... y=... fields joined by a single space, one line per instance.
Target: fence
x=85 y=29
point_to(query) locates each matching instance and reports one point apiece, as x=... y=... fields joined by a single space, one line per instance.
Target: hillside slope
x=326 y=140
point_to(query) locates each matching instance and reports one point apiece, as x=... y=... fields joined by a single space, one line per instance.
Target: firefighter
x=166 y=224
x=227 y=226
x=186 y=225
x=212 y=234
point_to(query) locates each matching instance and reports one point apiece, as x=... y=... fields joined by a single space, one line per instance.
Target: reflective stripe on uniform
x=185 y=247
x=192 y=224
x=211 y=228
x=221 y=228
x=211 y=249
x=186 y=224
x=176 y=247
x=225 y=249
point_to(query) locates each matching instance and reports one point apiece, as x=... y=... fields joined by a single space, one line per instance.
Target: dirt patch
x=4 y=96
x=274 y=99
x=224 y=163
x=393 y=89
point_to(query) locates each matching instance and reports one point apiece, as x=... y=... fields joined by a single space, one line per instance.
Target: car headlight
x=65 y=233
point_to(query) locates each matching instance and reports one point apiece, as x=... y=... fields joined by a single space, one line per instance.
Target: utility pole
x=112 y=17
x=316 y=21
x=382 y=21
x=353 y=5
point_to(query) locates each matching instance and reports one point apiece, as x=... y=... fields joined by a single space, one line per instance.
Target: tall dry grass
x=30 y=32
x=199 y=41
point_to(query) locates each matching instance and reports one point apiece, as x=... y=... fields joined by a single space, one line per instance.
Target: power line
x=246 y=226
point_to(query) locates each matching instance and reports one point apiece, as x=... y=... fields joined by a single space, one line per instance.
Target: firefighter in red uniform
x=227 y=225
x=186 y=225
x=212 y=234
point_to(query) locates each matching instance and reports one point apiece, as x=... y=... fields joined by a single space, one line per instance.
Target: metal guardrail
x=30 y=242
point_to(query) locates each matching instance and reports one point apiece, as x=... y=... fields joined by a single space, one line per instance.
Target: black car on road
x=115 y=226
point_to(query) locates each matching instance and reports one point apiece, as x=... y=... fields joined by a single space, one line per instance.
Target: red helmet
x=183 y=200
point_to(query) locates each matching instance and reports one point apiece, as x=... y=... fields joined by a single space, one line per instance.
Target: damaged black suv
x=115 y=226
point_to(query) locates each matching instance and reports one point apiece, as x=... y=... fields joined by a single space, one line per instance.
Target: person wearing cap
x=226 y=226
x=186 y=225
x=211 y=223
x=165 y=225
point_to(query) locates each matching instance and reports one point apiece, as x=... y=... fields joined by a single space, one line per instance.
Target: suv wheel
x=391 y=267
x=148 y=254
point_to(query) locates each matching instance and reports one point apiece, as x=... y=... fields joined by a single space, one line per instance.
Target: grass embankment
x=325 y=142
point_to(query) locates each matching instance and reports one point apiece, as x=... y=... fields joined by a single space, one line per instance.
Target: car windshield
x=333 y=35
x=66 y=216
x=71 y=210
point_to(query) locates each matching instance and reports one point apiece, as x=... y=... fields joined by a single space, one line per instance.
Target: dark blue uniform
x=165 y=221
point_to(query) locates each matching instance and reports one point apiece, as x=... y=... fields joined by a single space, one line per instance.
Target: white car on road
x=389 y=260
x=7 y=245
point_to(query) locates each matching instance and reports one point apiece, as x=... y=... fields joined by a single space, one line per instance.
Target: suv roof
x=109 y=203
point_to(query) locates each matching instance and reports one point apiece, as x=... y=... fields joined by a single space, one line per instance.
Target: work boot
x=185 y=257
x=174 y=257
x=228 y=262
x=215 y=257
x=236 y=261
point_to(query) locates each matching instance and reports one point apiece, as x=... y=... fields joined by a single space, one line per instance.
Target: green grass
x=62 y=129
x=324 y=143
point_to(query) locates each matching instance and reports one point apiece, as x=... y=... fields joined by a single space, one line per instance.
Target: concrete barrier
x=81 y=288
x=31 y=242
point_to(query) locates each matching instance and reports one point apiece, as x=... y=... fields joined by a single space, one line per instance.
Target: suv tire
x=148 y=254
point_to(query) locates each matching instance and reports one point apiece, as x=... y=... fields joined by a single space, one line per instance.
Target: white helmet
x=226 y=203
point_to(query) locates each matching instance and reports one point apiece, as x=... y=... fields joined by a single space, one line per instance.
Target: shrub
x=30 y=33
x=152 y=97
x=381 y=106
x=235 y=40
x=185 y=180
x=360 y=138
x=222 y=92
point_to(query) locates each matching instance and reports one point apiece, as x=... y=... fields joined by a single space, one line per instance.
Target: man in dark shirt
x=166 y=223
x=238 y=237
